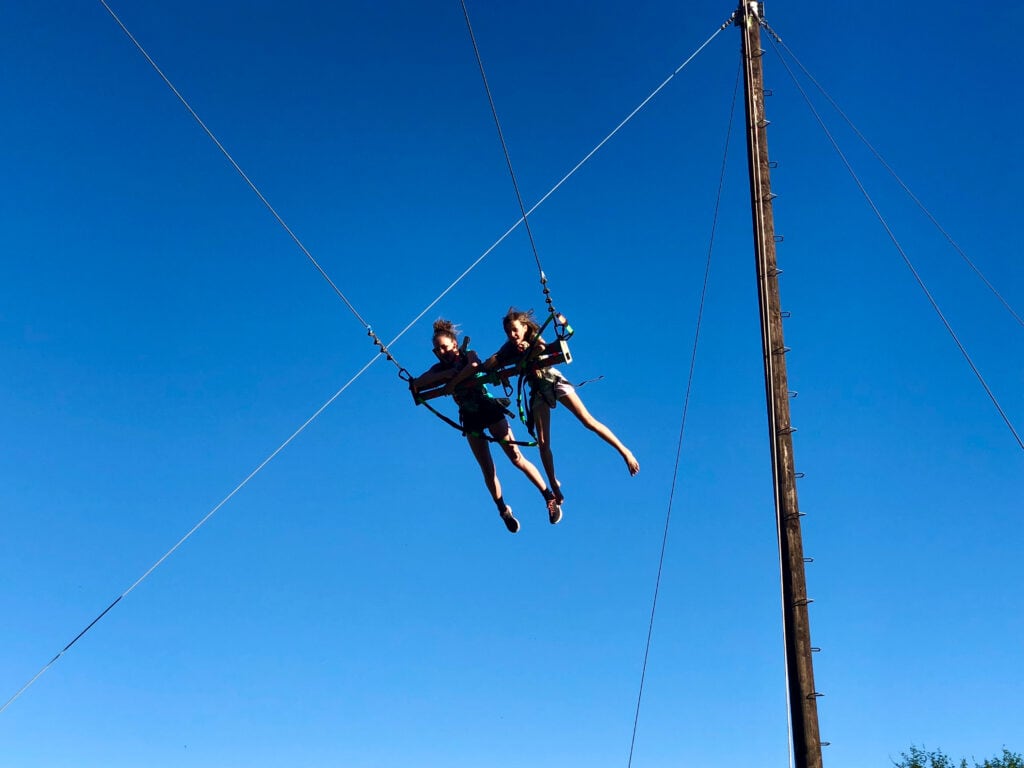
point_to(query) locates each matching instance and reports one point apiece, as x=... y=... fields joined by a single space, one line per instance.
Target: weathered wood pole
x=803 y=706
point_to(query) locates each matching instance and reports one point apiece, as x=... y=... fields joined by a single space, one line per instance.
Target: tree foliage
x=919 y=757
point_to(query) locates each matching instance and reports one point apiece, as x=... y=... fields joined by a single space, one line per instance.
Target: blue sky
x=359 y=602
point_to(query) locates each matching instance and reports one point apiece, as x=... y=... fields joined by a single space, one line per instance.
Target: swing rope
x=682 y=424
x=377 y=343
x=892 y=172
x=382 y=347
x=899 y=248
x=511 y=171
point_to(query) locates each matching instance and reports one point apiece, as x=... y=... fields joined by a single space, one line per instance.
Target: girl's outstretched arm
x=431 y=377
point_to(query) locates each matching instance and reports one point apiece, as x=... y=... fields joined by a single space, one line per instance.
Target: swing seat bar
x=556 y=353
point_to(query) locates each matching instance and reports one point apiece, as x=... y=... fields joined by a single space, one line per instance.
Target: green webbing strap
x=526 y=412
x=407 y=377
x=473 y=433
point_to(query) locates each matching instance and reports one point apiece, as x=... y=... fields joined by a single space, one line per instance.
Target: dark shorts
x=481 y=415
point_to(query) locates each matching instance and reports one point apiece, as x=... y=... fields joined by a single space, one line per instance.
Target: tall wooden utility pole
x=803 y=706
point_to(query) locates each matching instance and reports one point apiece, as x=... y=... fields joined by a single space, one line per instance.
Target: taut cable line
x=878 y=155
x=188 y=535
x=501 y=137
x=682 y=424
x=524 y=219
x=902 y=252
x=571 y=172
x=384 y=348
x=369 y=363
x=280 y=220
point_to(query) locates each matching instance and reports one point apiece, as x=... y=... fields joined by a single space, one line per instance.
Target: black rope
x=682 y=425
x=508 y=162
x=273 y=211
x=903 y=254
x=917 y=201
x=63 y=650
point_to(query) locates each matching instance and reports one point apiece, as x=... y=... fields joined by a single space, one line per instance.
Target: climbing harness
x=529 y=363
x=538 y=358
x=422 y=396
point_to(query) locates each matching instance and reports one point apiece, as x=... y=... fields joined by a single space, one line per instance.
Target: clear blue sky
x=359 y=603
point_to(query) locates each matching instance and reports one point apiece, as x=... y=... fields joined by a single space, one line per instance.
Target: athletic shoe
x=510 y=522
x=554 y=511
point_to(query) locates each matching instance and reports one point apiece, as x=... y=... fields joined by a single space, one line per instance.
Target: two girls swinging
x=547 y=387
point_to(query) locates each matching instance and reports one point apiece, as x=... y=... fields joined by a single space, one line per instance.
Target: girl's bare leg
x=502 y=431
x=572 y=401
x=542 y=428
x=482 y=453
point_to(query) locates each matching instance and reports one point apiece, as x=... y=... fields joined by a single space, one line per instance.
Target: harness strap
x=526 y=411
x=473 y=433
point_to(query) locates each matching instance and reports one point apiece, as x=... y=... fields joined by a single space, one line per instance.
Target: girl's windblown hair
x=447 y=328
x=526 y=318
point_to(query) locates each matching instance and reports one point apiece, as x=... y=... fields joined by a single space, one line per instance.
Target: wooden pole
x=803 y=706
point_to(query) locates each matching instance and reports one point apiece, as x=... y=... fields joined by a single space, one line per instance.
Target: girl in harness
x=478 y=411
x=548 y=387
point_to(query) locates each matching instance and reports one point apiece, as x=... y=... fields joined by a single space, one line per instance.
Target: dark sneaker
x=554 y=511
x=510 y=522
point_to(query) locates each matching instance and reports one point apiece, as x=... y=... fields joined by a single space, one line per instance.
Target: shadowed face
x=517 y=332
x=446 y=349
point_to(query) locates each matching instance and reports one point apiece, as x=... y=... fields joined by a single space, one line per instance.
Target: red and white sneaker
x=554 y=511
